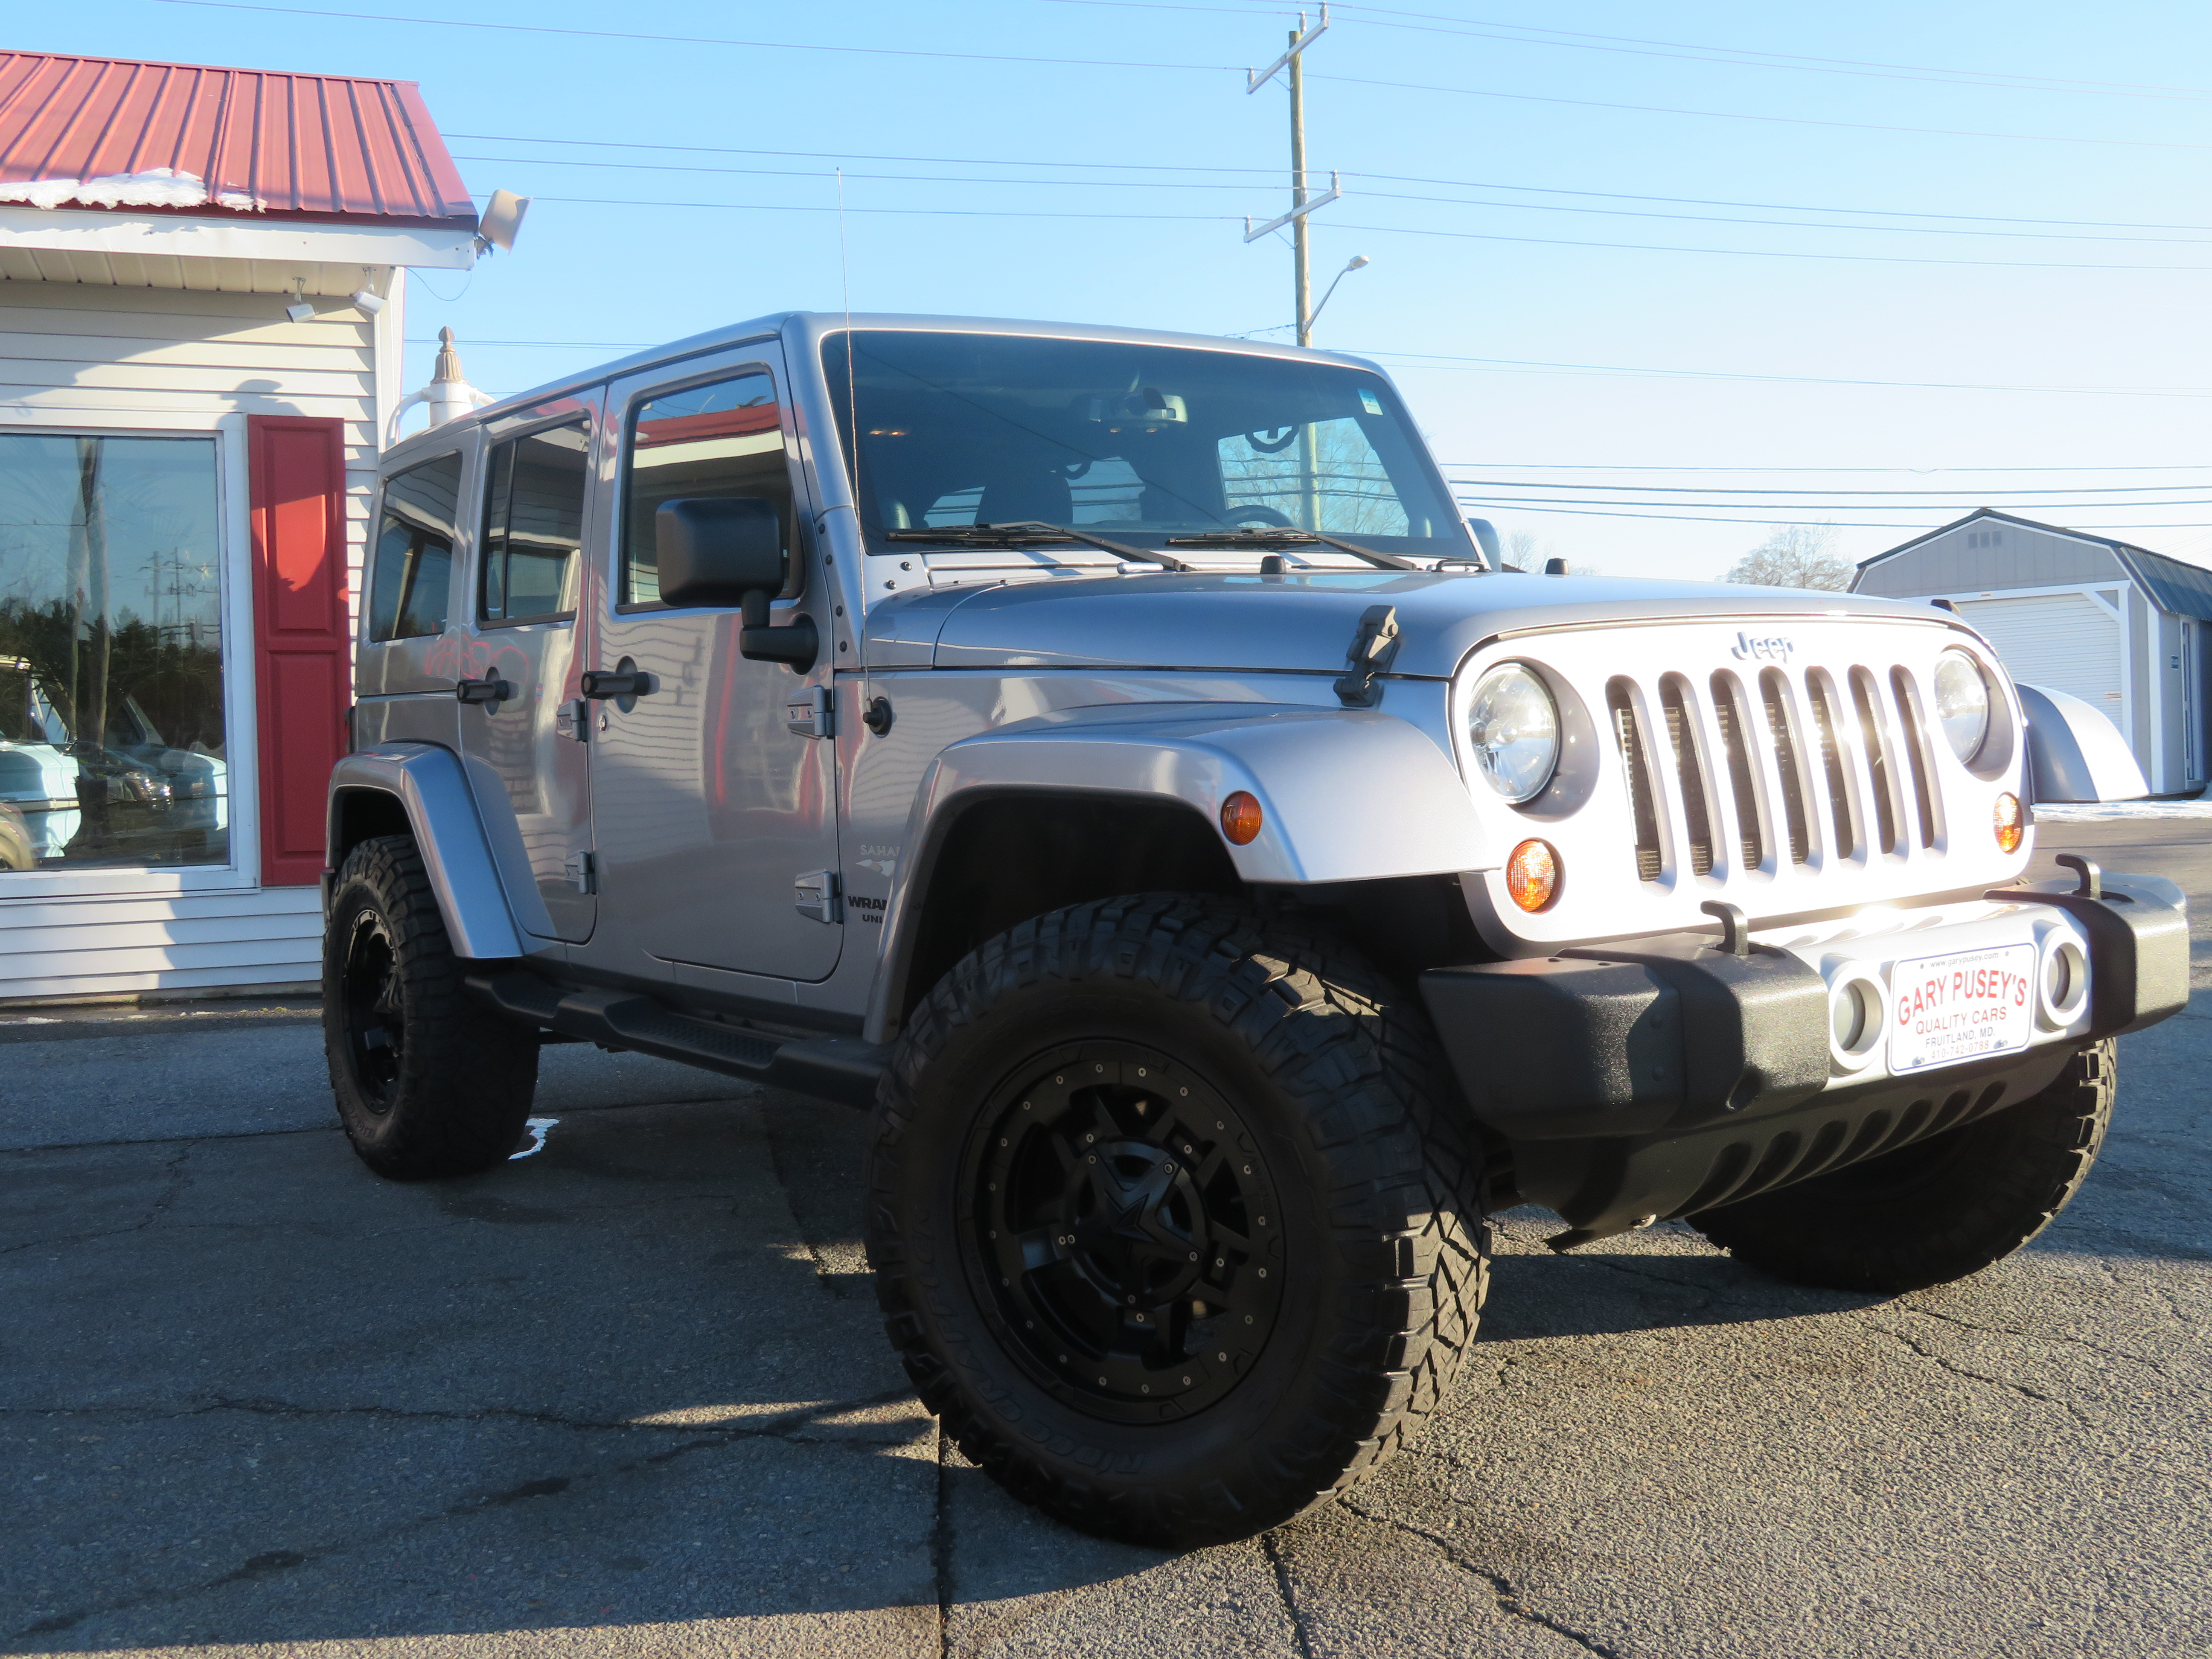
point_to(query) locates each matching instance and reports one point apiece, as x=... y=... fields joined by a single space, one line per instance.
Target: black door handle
x=604 y=682
x=490 y=688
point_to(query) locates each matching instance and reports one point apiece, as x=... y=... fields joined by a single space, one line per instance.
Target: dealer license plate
x=1960 y=1008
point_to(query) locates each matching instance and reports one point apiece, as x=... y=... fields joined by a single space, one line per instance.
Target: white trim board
x=62 y=232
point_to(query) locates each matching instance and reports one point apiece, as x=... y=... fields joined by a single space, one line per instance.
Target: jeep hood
x=1296 y=624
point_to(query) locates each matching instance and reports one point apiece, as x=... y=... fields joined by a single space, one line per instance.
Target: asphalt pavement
x=628 y=1395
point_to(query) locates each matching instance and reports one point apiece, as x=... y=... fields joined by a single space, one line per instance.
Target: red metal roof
x=117 y=134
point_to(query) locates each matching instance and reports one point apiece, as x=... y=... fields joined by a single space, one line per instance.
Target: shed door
x=2067 y=641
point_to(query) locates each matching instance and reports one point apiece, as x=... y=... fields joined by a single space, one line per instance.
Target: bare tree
x=1795 y=555
x=1521 y=550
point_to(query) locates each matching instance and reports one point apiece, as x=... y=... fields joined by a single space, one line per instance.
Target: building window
x=112 y=739
x=1985 y=538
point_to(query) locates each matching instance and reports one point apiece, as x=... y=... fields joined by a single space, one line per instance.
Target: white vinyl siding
x=79 y=351
x=2067 y=641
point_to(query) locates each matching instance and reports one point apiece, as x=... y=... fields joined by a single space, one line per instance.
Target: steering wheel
x=1275 y=447
x=1266 y=515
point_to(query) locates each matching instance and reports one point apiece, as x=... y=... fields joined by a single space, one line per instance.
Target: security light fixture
x=501 y=219
x=299 y=311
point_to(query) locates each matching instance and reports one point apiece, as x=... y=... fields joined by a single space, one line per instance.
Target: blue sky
x=1589 y=224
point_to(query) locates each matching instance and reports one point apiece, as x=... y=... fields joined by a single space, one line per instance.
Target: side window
x=533 y=525
x=413 y=579
x=722 y=439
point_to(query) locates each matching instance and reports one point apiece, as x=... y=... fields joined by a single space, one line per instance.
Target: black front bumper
x=1658 y=1077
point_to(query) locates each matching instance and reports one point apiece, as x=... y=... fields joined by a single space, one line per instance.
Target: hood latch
x=1372 y=649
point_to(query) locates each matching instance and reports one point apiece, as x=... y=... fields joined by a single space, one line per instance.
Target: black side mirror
x=729 y=550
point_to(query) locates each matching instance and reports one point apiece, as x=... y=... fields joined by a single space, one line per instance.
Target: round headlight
x=1515 y=732
x=1962 y=703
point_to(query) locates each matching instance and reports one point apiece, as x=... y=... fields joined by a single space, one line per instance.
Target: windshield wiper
x=1293 y=538
x=1031 y=533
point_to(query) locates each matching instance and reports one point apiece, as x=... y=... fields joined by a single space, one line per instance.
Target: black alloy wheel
x=1125 y=1231
x=1174 y=1222
x=426 y=1083
x=372 y=1008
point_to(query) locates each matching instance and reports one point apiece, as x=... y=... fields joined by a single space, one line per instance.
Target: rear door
x=708 y=810
x=525 y=750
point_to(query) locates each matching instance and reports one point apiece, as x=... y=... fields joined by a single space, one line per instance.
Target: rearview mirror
x=718 y=549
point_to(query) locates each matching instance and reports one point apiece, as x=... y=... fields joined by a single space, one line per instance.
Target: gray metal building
x=2119 y=627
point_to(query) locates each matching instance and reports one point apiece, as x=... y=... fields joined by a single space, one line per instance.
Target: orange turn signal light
x=2009 y=823
x=1532 y=875
x=1240 y=818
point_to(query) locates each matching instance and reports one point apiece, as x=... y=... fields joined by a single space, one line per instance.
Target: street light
x=1351 y=265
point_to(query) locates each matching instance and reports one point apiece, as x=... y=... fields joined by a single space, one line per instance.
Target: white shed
x=2116 y=625
x=200 y=340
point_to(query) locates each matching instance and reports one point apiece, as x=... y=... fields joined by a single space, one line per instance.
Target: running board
x=839 y=1068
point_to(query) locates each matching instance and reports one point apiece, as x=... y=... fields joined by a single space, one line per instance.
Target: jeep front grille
x=1869 y=742
x=1620 y=702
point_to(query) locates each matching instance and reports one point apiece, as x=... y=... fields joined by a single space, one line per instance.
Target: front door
x=524 y=754
x=708 y=810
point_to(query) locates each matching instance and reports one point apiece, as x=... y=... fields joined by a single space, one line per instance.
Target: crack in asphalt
x=1509 y=1600
x=2037 y=1336
x=940 y=1548
x=776 y=1425
x=269 y=1562
x=1282 y=1566
x=1957 y=1369
x=178 y=1180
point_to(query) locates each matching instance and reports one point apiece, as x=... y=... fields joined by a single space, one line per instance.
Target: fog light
x=2010 y=828
x=1532 y=875
x=1240 y=818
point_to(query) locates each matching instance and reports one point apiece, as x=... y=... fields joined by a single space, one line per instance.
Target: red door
x=297 y=471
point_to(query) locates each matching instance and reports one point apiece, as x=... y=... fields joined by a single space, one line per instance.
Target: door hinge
x=574 y=720
x=820 y=895
x=810 y=714
x=582 y=870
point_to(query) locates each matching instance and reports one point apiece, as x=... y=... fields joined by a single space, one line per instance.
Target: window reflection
x=111 y=740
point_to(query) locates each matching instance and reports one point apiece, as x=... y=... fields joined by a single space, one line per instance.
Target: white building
x=2118 y=626
x=200 y=340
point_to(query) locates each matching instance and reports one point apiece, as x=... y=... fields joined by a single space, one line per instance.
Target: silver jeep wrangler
x=1109 y=756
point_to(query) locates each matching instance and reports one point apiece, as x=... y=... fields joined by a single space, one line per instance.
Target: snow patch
x=166 y=187
x=2098 y=811
x=537 y=1128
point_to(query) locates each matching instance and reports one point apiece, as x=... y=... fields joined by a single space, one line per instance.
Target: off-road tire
x=1935 y=1212
x=428 y=1084
x=1384 y=1255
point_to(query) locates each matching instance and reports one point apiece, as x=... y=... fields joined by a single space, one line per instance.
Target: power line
x=1824 y=507
x=696 y=39
x=1110 y=62
x=1947 y=494
x=1482 y=365
x=1269 y=174
x=1993 y=80
x=1690 y=518
x=1374 y=195
x=1713 y=114
x=1598 y=466
x=1379 y=230
x=1733 y=56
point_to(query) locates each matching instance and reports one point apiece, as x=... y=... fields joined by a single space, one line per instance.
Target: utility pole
x=1300 y=246
x=1303 y=201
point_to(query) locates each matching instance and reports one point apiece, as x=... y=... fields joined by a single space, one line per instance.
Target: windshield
x=1137 y=442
